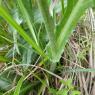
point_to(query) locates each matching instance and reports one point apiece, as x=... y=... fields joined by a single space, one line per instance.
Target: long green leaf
x=19 y=84
x=9 y=19
x=49 y=24
x=28 y=20
x=69 y=8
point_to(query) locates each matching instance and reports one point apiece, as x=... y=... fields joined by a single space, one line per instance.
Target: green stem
x=49 y=23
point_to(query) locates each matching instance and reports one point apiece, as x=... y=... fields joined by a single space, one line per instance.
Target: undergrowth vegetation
x=47 y=47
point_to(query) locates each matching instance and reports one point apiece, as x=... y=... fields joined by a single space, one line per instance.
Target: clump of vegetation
x=45 y=41
x=69 y=89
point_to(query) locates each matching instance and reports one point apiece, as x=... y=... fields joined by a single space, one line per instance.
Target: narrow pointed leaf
x=28 y=20
x=8 y=18
x=19 y=84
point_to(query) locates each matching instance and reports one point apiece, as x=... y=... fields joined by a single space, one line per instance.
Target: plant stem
x=49 y=24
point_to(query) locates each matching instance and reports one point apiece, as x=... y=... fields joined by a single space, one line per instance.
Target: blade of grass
x=19 y=84
x=8 y=18
x=8 y=40
x=11 y=42
x=28 y=20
